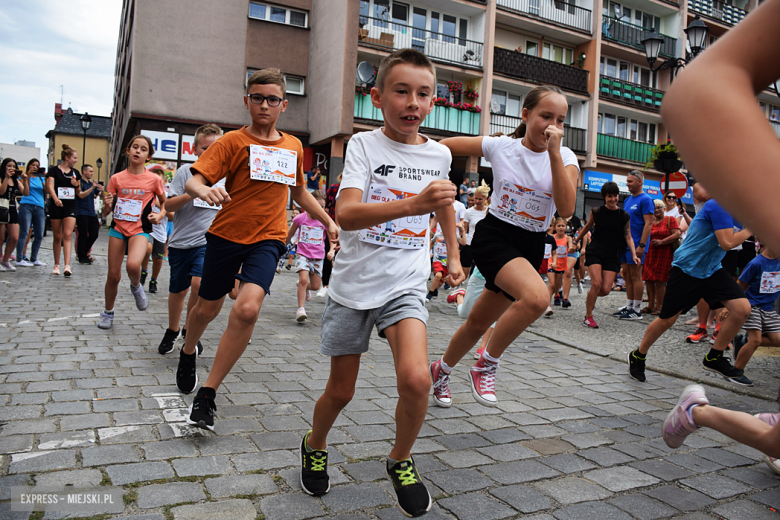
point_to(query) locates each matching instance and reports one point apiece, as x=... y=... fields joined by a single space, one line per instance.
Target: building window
x=294 y=84
x=620 y=126
x=506 y=104
x=278 y=14
x=557 y=54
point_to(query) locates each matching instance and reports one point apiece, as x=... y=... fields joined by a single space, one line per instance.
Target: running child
x=474 y=214
x=379 y=280
x=186 y=250
x=246 y=238
x=158 y=236
x=563 y=245
x=440 y=271
x=289 y=254
x=508 y=247
x=549 y=261
x=130 y=195
x=310 y=254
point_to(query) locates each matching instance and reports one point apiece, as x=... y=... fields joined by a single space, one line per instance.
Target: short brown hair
x=67 y=151
x=318 y=195
x=145 y=138
x=412 y=57
x=206 y=130
x=268 y=76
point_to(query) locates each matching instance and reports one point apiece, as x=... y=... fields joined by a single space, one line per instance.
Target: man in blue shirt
x=697 y=273
x=640 y=209
x=313 y=179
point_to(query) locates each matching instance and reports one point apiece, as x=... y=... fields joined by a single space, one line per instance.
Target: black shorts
x=730 y=262
x=744 y=256
x=13 y=215
x=67 y=210
x=224 y=259
x=496 y=243
x=683 y=291
x=577 y=264
x=607 y=261
x=158 y=249
x=465 y=257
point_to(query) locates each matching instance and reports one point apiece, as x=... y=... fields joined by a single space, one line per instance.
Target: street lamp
x=99 y=163
x=86 y=121
x=696 y=33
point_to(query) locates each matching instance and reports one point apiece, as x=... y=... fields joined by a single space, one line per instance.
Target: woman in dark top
x=14 y=185
x=86 y=217
x=62 y=184
x=611 y=234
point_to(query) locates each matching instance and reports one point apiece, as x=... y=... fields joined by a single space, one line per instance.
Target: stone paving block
x=567 y=463
x=464 y=441
x=590 y=510
x=230 y=426
x=142 y=417
x=682 y=499
x=716 y=486
x=103 y=455
x=579 y=427
x=31 y=426
x=365 y=450
x=642 y=507
x=693 y=463
x=605 y=456
x=723 y=457
x=293 y=477
x=543 y=431
x=277 y=424
x=15 y=413
x=662 y=470
x=158 y=495
x=517 y=472
x=48 y=386
x=759 y=478
x=122 y=474
x=52 y=441
x=548 y=446
x=115 y=405
x=18 y=399
x=213 y=465
x=742 y=509
x=522 y=498
x=16 y=443
x=453 y=426
x=38 y=461
x=368 y=471
x=126 y=434
x=83 y=422
x=770 y=497
x=357 y=496
x=571 y=490
x=276 y=441
x=638 y=451
x=224 y=445
x=459 y=480
x=170 y=449
x=475 y=505
x=586 y=440
x=239 y=509
x=372 y=432
x=563 y=414
x=508 y=452
x=265 y=460
x=68 y=408
x=621 y=478
x=464 y=458
x=504 y=435
x=290 y=506
x=72 y=395
x=10 y=481
x=235 y=485
x=96 y=382
x=7 y=514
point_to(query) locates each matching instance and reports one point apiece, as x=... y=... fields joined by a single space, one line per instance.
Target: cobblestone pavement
x=573 y=436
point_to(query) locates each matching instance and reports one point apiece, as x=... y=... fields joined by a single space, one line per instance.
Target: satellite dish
x=616 y=10
x=495 y=106
x=365 y=73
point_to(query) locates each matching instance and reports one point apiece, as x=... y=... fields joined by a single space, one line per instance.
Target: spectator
x=86 y=217
x=31 y=213
x=463 y=191
x=13 y=185
x=313 y=179
x=658 y=260
x=670 y=208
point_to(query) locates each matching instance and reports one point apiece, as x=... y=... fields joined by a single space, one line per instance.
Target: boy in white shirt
x=390 y=174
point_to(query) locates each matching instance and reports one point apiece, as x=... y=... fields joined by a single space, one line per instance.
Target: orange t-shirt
x=257 y=209
x=133 y=198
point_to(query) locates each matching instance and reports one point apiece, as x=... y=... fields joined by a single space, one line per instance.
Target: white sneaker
x=24 y=263
x=300 y=315
x=2 y=268
x=38 y=263
x=322 y=292
x=278 y=270
x=579 y=288
x=7 y=266
x=308 y=295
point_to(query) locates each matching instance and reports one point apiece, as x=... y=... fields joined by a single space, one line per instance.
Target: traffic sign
x=678 y=184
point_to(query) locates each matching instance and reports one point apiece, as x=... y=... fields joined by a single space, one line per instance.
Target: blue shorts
x=169 y=230
x=627 y=258
x=224 y=259
x=185 y=264
x=116 y=234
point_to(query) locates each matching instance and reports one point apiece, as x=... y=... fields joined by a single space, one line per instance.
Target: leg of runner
x=567 y=276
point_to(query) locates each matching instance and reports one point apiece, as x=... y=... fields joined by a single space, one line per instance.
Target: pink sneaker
x=482 y=378
x=308 y=295
x=441 y=385
x=590 y=322
x=679 y=423
x=453 y=296
x=771 y=419
x=478 y=353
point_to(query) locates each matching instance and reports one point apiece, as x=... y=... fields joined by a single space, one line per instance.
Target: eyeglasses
x=671 y=197
x=257 y=99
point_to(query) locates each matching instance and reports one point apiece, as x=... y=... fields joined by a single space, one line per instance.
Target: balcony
x=449 y=121
x=629 y=34
x=557 y=11
x=525 y=66
x=574 y=138
x=442 y=48
x=631 y=94
x=726 y=13
x=776 y=127
x=624 y=149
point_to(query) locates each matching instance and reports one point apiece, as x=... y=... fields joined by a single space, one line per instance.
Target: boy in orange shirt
x=244 y=242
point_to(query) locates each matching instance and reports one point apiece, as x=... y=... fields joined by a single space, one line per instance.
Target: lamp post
x=86 y=121
x=99 y=163
x=696 y=32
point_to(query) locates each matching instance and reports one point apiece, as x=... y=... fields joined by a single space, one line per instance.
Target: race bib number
x=128 y=210
x=199 y=203
x=66 y=193
x=547 y=250
x=440 y=250
x=524 y=207
x=562 y=250
x=770 y=282
x=270 y=164
x=406 y=232
x=311 y=235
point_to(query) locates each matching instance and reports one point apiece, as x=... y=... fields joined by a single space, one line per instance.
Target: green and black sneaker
x=413 y=497
x=636 y=365
x=314 y=469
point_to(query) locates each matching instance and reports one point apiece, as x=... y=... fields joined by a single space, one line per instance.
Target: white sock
x=446 y=369
x=629 y=303
x=490 y=358
x=637 y=305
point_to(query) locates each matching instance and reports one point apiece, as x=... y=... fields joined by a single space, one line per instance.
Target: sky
x=46 y=44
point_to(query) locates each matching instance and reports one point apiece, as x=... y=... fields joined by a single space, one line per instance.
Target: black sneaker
x=152 y=286
x=621 y=311
x=202 y=411
x=722 y=366
x=166 y=345
x=739 y=342
x=630 y=314
x=314 y=470
x=565 y=304
x=741 y=380
x=187 y=373
x=144 y=274
x=636 y=366
x=200 y=346
x=413 y=497
x=556 y=302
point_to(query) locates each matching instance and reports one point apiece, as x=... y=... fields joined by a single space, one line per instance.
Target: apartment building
x=176 y=72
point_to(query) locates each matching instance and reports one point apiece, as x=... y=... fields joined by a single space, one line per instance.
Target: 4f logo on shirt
x=385 y=169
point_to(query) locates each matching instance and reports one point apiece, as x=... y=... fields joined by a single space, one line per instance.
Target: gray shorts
x=765 y=321
x=346 y=331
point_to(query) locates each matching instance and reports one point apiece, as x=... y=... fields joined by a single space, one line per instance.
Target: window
x=619 y=126
x=365 y=12
x=514 y=105
x=382 y=12
x=294 y=84
x=279 y=14
x=504 y=103
x=498 y=102
x=400 y=14
x=441 y=90
x=418 y=33
x=557 y=54
x=532 y=48
x=448 y=28
x=774 y=113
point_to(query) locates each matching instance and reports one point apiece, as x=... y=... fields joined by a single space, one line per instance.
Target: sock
x=154 y=279
x=309 y=449
x=108 y=312
x=193 y=355
x=629 y=304
x=638 y=305
x=134 y=287
x=207 y=392
x=690 y=414
x=446 y=369
x=390 y=462
x=639 y=355
x=490 y=358
x=703 y=326
x=713 y=354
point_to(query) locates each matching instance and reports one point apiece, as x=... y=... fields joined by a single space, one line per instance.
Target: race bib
x=562 y=250
x=547 y=250
x=770 y=282
x=128 y=210
x=271 y=164
x=524 y=207
x=311 y=235
x=199 y=203
x=440 y=250
x=405 y=232
x=66 y=193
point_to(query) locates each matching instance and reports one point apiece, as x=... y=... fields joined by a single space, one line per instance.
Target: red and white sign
x=678 y=184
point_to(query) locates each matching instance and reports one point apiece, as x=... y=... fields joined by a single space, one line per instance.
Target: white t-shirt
x=674 y=212
x=460 y=214
x=473 y=216
x=367 y=275
x=160 y=231
x=522 y=181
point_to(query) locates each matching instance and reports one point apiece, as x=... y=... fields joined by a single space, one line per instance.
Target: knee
x=415 y=385
x=340 y=394
x=205 y=311
x=315 y=283
x=113 y=278
x=605 y=291
x=741 y=310
x=536 y=304
x=246 y=312
x=132 y=267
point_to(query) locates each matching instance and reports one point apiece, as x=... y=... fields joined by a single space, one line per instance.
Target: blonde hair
x=483 y=189
x=206 y=130
x=413 y=57
x=67 y=151
x=318 y=195
x=659 y=204
x=269 y=76
x=531 y=100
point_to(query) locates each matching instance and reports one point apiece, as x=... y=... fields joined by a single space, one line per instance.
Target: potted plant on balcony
x=664 y=158
x=439 y=113
x=469 y=118
x=471 y=94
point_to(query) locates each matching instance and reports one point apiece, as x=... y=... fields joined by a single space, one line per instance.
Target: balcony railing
x=630 y=34
x=441 y=119
x=718 y=10
x=557 y=11
x=574 y=138
x=387 y=35
x=627 y=93
x=525 y=66
x=776 y=127
x=621 y=148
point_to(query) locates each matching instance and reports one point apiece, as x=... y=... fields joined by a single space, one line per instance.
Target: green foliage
x=657 y=150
